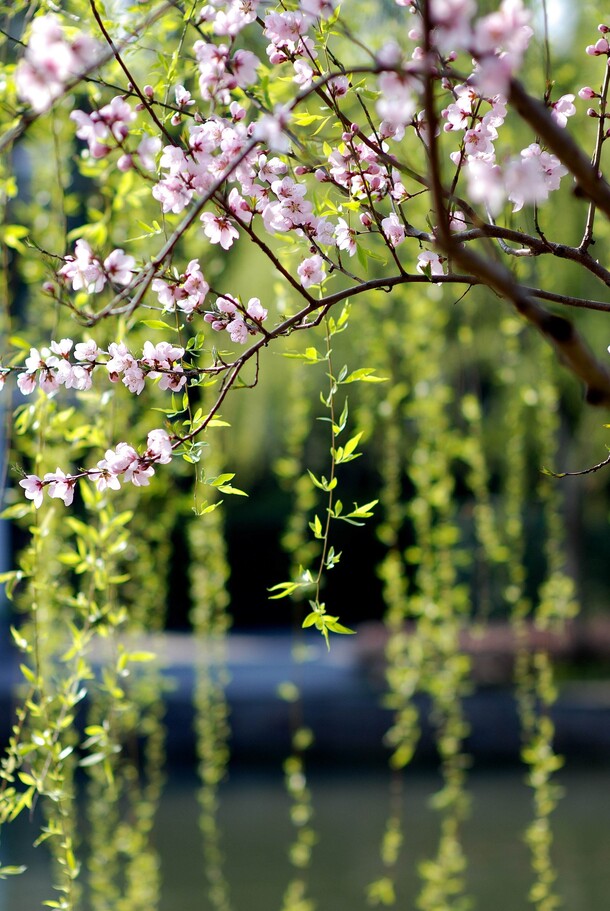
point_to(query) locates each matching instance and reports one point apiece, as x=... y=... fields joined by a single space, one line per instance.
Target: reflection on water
x=350 y=814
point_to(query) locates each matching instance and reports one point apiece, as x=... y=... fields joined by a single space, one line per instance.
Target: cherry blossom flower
x=26 y=383
x=320 y=8
x=139 y=474
x=397 y=101
x=183 y=98
x=238 y=330
x=87 y=351
x=148 y=149
x=486 y=183
x=120 y=360
x=159 y=446
x=346 y=237
x=427 y=261
x=255 y=310
x=393 y=229
x=105 y=478
x=562 y=109
x=311 y=271
x=33 y=488
x=83 y=269
x=134 y=379
x=219 y=229
x=61 y=486
x=120 y=458
x=119 y=267
x=51 y=60
x=271 y=129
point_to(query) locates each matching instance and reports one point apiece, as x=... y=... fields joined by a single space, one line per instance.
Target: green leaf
x=221 y=479
x=364 y=375
x=157 y=324
x=226 y=488
x=11 y=871
x=332 y=623
x=316 y=527
x=284 y=589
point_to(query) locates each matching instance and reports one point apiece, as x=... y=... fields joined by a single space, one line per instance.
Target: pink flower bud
x=149 y=91
x=140 y=107
x=125 y=163
x=600 y=47
x=587 y=92
x=603 y=28
x=49 y=288
x=591 y=112
x=300 y=170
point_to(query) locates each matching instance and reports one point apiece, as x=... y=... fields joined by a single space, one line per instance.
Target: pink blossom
x=397 y=100
x=183 y=97
x=429 y=261
x=233 y=16
x=243 y=66
x=303 y=74
x=51 y=60
x=106 y=479
x=321 y=8
x=346 y=237
x=486 y=183
x=86 y=351
x=173 y=193
x=61 y=486
x=118 y=460
x=33 y=488
x=477 y=142
x=83 y=269
x=26 y=383
x=159 y=446
x=531 y=177
x=148 y=148
x=120 y=360
x=219 y=229
x=119 y=267
x=393 y=229
x=271 y=129
x=238 y=330
x=311 y=271
x=134 y=379
x=562 y=109
x=586 y=93
x=255 y=310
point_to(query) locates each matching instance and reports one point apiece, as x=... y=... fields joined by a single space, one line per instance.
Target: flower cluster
x=52 y=367
x=51 y=60
x=108 y=128
x=526 y=178
x=243 y=176
x=187 y=291
x=239 y=321
x=85 y=271
x=122 y=463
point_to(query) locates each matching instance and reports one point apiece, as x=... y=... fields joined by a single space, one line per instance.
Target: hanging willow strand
x=208 y=575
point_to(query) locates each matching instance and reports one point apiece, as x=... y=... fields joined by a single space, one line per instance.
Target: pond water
x=350 y=809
